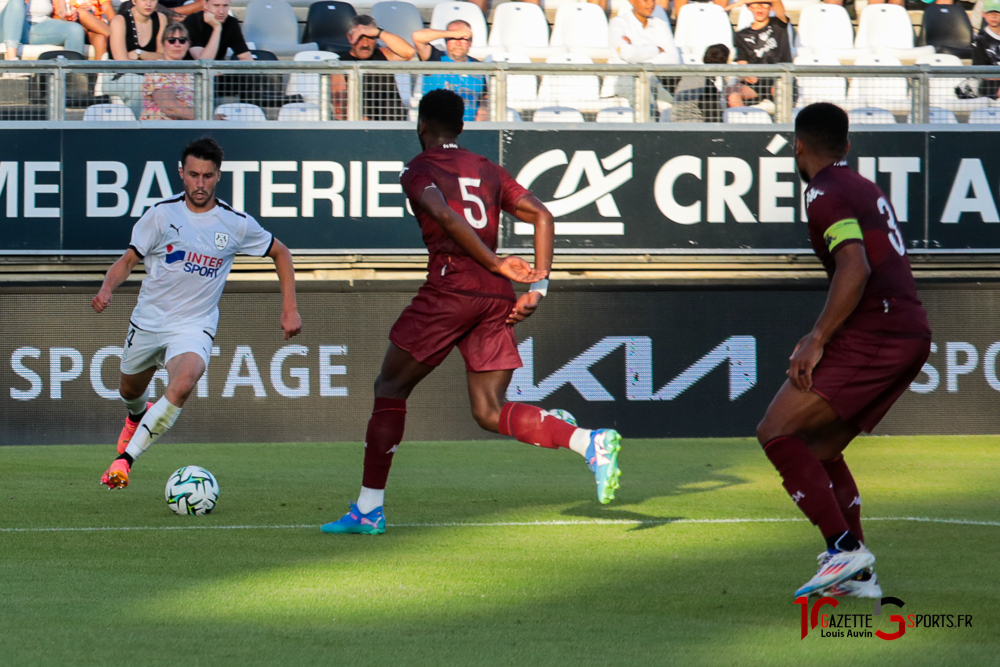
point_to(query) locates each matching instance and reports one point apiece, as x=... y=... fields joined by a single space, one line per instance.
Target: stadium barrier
x=650 y=360
x=70 y=189
x=56 y=90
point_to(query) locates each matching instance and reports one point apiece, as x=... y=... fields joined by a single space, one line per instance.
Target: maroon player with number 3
x=467 y=302
x=868 y=345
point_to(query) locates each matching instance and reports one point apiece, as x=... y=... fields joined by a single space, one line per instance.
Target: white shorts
x=144 y=349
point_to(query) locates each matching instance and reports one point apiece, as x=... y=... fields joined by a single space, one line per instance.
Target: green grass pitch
x=457 y=581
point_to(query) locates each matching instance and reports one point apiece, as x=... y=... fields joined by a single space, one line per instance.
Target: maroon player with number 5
x=467 y=302
x=868 y=345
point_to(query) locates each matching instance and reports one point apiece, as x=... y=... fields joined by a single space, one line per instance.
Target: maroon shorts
x=436 y=321
x=862 y=374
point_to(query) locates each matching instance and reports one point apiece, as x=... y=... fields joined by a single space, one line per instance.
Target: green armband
x=842 y=231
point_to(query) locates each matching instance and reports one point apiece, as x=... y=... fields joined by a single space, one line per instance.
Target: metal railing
x=59 y=90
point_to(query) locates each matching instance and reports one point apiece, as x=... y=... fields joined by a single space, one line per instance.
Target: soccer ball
x=192 y=490
x=563 y=415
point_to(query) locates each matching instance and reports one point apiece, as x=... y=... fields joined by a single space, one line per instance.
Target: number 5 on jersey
x=477 y=222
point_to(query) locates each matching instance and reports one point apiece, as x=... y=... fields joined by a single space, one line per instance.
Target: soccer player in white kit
x=187 y=243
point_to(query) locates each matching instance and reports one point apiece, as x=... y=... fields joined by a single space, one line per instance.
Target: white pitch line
x=503 y=524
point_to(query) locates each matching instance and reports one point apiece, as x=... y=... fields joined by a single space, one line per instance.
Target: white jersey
x=188 y=256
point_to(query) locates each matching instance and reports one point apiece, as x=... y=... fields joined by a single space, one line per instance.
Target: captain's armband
x=845 y=230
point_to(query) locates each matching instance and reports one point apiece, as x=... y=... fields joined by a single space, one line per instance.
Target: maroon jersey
x=476 y=189
x=844 y=208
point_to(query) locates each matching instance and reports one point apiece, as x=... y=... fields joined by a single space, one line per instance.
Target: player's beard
x=803 y=175
x=205 y=196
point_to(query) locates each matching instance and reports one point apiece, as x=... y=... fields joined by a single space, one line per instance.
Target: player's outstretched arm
x=846 y=288
x=291 y=323
x=461 y=232
x=115 y=276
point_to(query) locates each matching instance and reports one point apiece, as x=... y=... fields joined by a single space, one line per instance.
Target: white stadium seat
x=557 y=115
x=108 y=112
x=577 y=91
x=298 y=111
x=942 y=88
x=938 y=116
x=521 y=27
x=304 y=83
x=812 y=89
x=746 y=115
x=522 y=89
x=884 y=92
x=699 y=25
x=888 y=30
x=583 y=29
x=871 y=116
x=616 y=115
x=241 y=112
x=272 y=26
x=826 y=29
x=987 y=115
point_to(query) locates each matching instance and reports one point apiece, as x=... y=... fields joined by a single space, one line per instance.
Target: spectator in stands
x=765 y=42
x=31 y=22
x=136 y=34
x=457 y=39
x=986 y=46
x=901 y=3
x=639 y=37
x=214 y=32
x=170 y=95
x=704 y=93
x=95 y=18
x=379 y=94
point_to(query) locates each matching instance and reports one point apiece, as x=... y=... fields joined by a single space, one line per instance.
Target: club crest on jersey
x=221 y=240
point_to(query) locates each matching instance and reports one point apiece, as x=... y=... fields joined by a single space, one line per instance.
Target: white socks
x=137 y=406
x=370 y=499
x=580 y=441
x=156 y=422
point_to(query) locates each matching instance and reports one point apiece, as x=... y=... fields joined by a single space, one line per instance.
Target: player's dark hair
x=205 y=148
x=717 y=54
x=823 y=128
x=443 y=111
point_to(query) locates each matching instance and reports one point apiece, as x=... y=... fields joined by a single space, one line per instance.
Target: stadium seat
x=513 y=116
x=947 y=28
x=938 y=116
x=258 y=54
x=446 y=12
x=577 y=91
x=108 y=112
x=746 y=115
x=520 y=27
x=871 y=116
x=942 y=90
x=522 y=89
x=799 y=5
x=399 y=18
x=888 y=31
x=879 y=91
x=583 y=29
x=701 y=24
x=272 y=26
x=64 y=55
x=826 y=29
x=328 y=23
x=307 y=84
x=812 y=89
x=986 y=115
x=616 y=115
x=241 y=112
x=298 y=111
x=557 y=115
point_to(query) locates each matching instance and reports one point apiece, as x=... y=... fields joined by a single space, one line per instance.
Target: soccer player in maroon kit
x=468 y=302
x=867 y=346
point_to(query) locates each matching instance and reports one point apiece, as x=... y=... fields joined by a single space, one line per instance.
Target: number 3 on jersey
x=477 y=222
x=895 y=237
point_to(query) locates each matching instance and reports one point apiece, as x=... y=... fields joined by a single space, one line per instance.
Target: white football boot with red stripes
x=864 y=584
x=839 y=567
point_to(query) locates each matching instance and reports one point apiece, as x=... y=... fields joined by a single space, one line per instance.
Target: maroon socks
x=385 y=431
x=534 y=426
x=846 y=492
x=807 y=483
